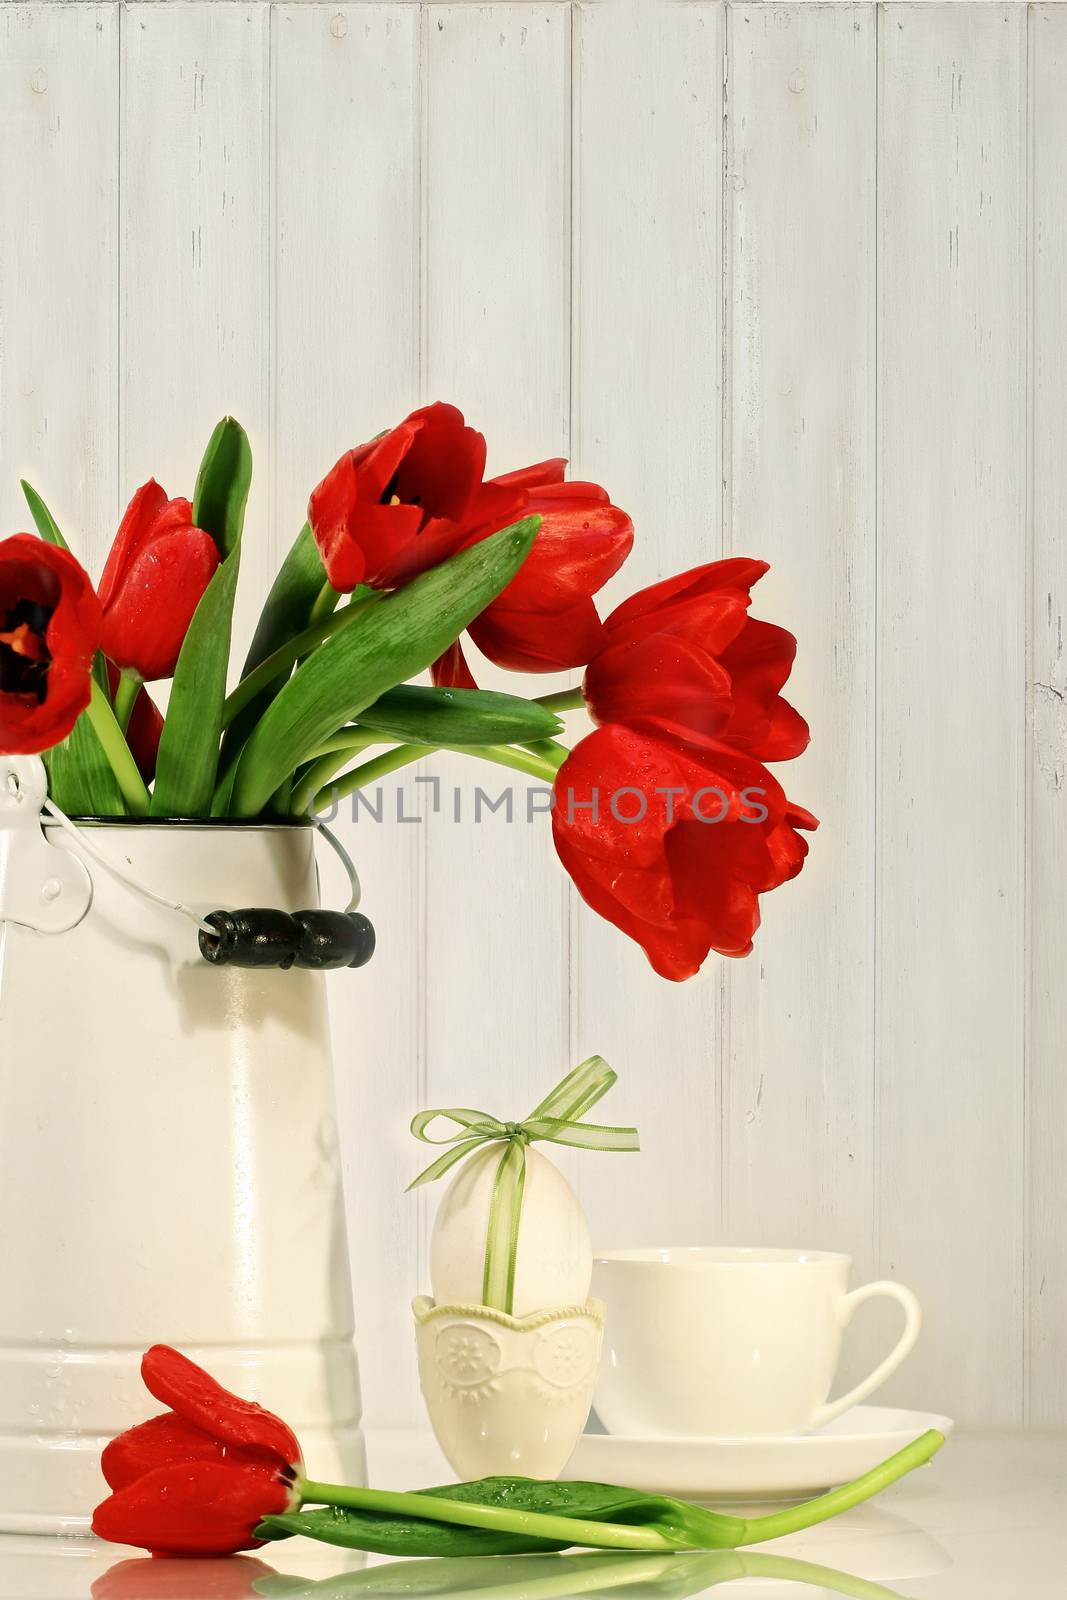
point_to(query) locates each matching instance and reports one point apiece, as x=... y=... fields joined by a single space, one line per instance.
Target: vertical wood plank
x=58 y=267
x=648 y=424
x=195 y=331
x=951 y=677
x=496 y=250
x=1047 y=1023
x=801 y=191
x=346 y=366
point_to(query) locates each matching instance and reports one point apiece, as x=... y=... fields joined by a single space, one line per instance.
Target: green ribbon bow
x=556 y=1121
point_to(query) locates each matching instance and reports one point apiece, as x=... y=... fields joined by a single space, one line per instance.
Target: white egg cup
x=508 y=1395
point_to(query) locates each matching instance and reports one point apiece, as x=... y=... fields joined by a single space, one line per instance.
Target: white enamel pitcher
x=169 y=1168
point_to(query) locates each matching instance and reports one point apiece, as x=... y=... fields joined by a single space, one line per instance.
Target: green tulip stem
x=114 y=745
x=562 y=700
x=280 y=662
x=343 y=739
x=126 y=692
x=519 y=760
x=370 y=771
x=327 y=761
x=508 y=1519
x=806 y=1515
x=549 y=750
x=672 y=1525
x=326 y=604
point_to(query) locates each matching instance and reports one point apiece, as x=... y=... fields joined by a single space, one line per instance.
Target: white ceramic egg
x=554 y=1262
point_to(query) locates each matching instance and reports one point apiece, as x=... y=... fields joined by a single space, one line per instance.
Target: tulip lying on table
x=216 y=1474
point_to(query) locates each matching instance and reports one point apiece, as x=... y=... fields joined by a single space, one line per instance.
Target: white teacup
x=716 y=1342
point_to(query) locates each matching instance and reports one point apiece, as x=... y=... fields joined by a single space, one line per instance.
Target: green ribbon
x=556 y=1121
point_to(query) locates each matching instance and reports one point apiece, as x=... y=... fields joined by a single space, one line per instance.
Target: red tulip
x=155 y=577
x=684 y=659
x=198 y=1479
x=406 y=501
x=674 y=845
x=144 y=729
x=50 y=627
x=545 y=620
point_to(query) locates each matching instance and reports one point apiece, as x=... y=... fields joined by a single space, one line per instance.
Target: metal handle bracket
x=41 y=887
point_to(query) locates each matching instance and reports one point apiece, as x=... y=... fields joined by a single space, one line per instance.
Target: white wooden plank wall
x=951 y=680
x=347 y=298
x=648 y=242
x=800 y=185
x=789 y=280
x=1045 y=1197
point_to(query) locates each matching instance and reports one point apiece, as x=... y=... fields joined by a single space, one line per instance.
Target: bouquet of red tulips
x=665 y=816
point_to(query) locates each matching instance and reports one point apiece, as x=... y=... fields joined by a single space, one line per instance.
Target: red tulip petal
x=349 y=495
x=198 y=1508
x=442 y=470
x=495 y=506
x=583 y=540
x=545 y=620
x=146 y=621
x=799 y=818
x=674 y=949
x=451 y=671
x=759 y=661
x=45 y=589
x=738 y=573
x=427 y=547
x=535 y=477
x=437 y=411
x=661 y=683
x=175 y=516
x=194 y=1395
x=538 y=641
x=140 y=514
x=681 y=844
x=674 y=781
x=710 y=618
x=163 y=1441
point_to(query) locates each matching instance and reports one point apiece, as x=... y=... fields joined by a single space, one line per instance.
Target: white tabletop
x=986 y=1520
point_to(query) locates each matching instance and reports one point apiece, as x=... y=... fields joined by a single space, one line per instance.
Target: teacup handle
x=913 y=1321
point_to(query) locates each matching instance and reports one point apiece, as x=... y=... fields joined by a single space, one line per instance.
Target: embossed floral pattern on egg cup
x=508 y=1394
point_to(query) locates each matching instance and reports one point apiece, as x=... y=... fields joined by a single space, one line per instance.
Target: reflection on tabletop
x=531 y=1577
x=869 y=1552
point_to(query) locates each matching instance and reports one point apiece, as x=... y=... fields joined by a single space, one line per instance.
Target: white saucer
x=743 y=1469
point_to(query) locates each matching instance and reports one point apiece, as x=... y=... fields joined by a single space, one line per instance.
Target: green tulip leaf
x=291 y=600
x=187 y=766
x=222 y=485
x=81 y=780
x=45 y=522
x=399 y=1536
x=545 y=1513
x=286 y=613
x=397 y=638
x=417 y=715
x=590 y=1506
